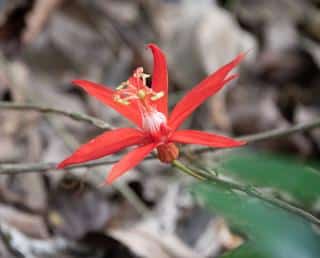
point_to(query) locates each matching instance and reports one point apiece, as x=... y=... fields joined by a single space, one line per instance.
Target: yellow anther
x=118 y=99
x=141 y=94
x=122 y=86
x=144 y=76
x=157 y=96
x=124 y=102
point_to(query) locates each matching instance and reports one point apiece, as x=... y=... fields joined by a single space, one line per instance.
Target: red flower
x=148 y=109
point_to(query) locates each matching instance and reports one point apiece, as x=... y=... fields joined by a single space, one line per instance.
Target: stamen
x=157 y=95
x=118 y=99
x=122 y=86
x=136 y=89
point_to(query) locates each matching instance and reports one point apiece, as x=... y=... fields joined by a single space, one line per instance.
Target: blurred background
x=45 y=44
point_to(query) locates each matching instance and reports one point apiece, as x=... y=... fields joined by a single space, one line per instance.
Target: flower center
x=153 y=121
x=135 y=89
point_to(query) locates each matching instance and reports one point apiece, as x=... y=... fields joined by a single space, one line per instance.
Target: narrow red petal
x=203 y=138
x=129 y=161
x=230 y=78
x=160 y=77
x=201 y=92
x=105 y=95
x=104 y=144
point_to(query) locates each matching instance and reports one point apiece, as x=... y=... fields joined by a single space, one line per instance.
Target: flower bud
x=167 y=152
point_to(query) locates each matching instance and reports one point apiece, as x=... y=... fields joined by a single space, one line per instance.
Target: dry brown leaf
x=38 y=17
x=32 y=225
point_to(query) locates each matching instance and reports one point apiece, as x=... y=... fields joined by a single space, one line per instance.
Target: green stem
x=250 y=190
x=188 y=171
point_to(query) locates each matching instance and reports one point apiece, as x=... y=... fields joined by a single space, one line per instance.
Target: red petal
x=105 y=95
x=201 y=92
x=129 y=161
x=203 y=138
x=230 y=78
x=104 y=144
x=160 y=77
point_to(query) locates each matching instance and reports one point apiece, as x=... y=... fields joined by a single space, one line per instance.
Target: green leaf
x=295 y=181
x=271 y=231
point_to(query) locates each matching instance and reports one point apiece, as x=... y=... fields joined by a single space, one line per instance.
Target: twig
x=250 y=190
x=47 y=110
x=43 y=167
x=71 y=143
x=124 y=189
x=276 y=133
x=271 y=134
x=9 y=169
